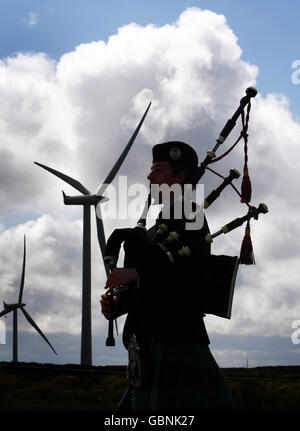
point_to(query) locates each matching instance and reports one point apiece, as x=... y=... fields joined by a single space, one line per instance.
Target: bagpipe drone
x=166 y=245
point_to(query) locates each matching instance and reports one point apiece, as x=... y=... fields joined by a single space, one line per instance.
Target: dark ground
x=45 y=387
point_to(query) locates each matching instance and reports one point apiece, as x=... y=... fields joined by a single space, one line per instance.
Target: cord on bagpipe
x=246 y=252
x=166 y=244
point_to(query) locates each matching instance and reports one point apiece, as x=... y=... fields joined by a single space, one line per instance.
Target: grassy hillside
x=46 y=387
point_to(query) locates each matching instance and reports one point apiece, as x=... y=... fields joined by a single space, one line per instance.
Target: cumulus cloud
x=77 y=114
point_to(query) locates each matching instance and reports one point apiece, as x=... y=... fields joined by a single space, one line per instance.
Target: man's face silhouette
x=162 y=173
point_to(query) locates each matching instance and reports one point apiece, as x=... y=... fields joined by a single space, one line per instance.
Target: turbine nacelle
x=83 y=199
x=13 y=306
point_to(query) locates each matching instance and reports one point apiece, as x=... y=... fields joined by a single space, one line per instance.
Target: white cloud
x=32 y=19
x=76 y=115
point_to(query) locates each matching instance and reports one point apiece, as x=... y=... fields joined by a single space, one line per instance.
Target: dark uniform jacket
x=165 y=303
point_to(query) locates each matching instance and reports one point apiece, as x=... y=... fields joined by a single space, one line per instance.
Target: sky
x=75 y=79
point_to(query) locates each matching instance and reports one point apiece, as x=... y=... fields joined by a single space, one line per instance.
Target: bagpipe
x=166 y=246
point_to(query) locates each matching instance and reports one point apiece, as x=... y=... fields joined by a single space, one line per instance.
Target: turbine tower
x=14 y=308
x=87 y=200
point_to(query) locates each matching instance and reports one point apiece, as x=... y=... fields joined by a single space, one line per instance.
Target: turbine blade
x=101 y=238
x=3 y=312
x=120 y=160
x=23 y=272
x=32 y=322
x=74 y=183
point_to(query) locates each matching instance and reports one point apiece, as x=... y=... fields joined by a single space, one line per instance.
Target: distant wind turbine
x=14 y=308
x=87 y=200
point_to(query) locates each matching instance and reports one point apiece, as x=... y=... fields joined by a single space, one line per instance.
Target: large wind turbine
x=14 y=308
x=87 y=200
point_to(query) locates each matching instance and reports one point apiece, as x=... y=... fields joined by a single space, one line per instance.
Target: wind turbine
x=87 y=200
x=14 y=308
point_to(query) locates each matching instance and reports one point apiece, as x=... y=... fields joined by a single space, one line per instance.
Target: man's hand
x=119 y=277
x=106 y=305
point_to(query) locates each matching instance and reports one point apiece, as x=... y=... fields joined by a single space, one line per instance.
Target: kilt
x=183 y=377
